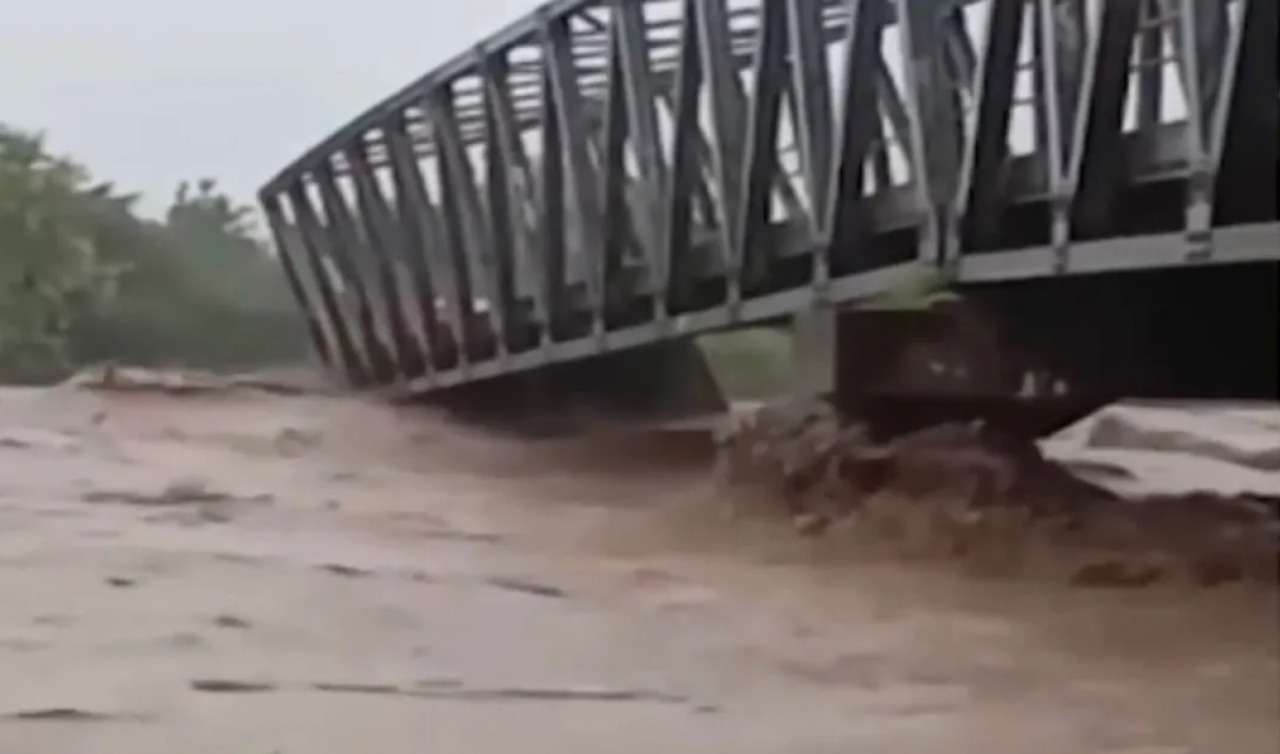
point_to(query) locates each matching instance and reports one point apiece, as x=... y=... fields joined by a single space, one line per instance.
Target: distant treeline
x=83 y=279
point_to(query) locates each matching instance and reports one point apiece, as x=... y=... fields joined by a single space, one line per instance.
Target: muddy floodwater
x=244 y=572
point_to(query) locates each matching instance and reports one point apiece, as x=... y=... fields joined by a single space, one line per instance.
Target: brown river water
x=241 y=572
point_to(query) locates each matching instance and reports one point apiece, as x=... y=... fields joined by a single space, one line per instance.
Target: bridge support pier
x=814 y=349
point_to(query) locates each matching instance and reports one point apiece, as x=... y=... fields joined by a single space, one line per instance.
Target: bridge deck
x=607 y=173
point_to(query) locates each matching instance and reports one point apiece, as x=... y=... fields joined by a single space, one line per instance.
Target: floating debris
x=223 y=686
x=527 y=587
x=338 y=569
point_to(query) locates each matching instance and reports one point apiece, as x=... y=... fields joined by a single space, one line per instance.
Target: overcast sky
x=149 y=92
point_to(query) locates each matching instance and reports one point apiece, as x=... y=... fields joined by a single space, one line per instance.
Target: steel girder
x=607 y=173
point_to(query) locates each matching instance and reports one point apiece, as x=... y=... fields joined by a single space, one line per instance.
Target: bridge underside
x=610 y=174
x=1027 y=355
x=656 y=384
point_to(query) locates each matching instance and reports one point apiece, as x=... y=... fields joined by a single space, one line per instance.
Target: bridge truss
x=603 y=174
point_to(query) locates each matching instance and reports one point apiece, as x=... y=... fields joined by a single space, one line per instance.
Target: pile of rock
x=962 y=490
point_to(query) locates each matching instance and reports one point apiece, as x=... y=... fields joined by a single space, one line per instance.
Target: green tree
x=84 y=279
x=200 y=290
x=49 y=262
x=218 y=240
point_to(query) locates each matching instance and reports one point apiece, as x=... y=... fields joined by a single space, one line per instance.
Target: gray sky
x=149 y=92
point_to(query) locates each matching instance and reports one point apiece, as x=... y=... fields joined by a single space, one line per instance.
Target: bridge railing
x=605 y=173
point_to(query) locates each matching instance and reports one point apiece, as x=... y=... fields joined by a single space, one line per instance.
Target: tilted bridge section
x=606 y=174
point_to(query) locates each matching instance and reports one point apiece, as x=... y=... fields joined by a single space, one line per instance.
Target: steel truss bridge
x=606 y=174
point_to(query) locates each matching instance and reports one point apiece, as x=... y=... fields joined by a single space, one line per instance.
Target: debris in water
x=449 y=688
x=23 y=645
x=65 y=714
x=174 y=382
x=238 y=558
x=185 y=640
x=222 y=686
x=585 y=694
x=1216 y=571
x=292 y=442
x=527 y=587
x=811 y=524
x=183 y=491
x=345 y=570
x=357 y=688
x=231 y=621
x=280 y=384
x=1118 y=574
x=29 y=439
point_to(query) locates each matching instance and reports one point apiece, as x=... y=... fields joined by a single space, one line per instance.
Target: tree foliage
x=83 y=278
x=49 y=259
